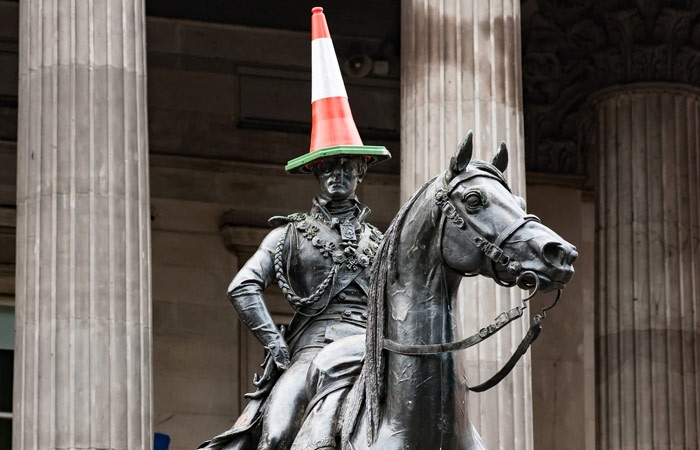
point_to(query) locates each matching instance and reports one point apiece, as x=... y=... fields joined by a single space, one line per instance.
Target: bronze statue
x=326 y=385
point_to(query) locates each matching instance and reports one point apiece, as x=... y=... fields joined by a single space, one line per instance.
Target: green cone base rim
x=375 y=154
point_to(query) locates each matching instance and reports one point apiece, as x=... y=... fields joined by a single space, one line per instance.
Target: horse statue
x=464 y=222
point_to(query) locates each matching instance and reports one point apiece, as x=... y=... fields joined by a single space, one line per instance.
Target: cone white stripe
x=326 y=80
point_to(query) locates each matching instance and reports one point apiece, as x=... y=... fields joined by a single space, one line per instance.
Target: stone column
x=83 y=297
x=461 y=70
x=648 y=271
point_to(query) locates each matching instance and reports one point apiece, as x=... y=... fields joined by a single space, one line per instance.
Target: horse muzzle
x=546 y=259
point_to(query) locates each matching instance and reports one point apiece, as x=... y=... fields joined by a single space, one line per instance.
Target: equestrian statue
x=369 y=360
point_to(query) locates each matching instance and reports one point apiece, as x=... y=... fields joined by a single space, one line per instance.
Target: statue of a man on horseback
x=369 y=360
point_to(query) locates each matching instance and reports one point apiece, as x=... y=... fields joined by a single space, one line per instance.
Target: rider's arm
x=246 y=294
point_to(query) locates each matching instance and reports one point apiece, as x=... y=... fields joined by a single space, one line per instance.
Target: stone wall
x=563 y=359
x=213 y=88
x=9 y=23
x=8 y=170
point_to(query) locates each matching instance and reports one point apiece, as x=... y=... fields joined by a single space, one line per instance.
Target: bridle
x=492 y=250
x=525 y=279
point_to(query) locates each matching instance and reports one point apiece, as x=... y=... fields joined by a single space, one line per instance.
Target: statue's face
x=339 y=176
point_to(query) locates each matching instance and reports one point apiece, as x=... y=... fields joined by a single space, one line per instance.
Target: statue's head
x=339 y=176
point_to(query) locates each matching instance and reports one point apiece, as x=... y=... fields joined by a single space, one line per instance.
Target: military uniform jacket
x=321 y=262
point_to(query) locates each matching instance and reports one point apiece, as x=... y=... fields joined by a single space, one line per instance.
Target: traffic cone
x=333 y=130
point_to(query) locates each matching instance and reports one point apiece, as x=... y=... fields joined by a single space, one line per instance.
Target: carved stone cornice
x=575 y=48
x=241 y=237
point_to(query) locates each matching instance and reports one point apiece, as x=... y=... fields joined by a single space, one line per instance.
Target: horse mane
x=369 y=388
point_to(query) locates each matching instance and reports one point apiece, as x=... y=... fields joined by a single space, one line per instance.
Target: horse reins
x=496 y=255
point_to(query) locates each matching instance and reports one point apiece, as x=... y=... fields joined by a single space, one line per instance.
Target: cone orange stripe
x=319 y=27
x=332 y=124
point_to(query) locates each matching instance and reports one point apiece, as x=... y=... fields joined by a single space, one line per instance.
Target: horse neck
x=423 y=283
x=419 y=311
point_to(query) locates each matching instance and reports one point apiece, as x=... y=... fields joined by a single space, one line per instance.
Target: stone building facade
x=142 y=150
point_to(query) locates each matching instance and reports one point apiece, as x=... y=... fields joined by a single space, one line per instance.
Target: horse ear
x=460 y=160
x=500 y=161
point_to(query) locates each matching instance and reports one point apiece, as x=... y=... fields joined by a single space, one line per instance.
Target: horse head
x=481 y=211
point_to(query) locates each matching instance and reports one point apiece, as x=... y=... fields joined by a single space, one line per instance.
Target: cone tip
x=317 y=10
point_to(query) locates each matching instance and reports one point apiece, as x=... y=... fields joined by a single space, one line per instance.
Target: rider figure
x=321 y=261
x=323 y=257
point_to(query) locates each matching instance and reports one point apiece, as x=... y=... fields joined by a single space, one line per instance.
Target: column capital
x=657 y=88
x=574 y=49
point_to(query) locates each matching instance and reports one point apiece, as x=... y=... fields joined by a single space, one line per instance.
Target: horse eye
x=473 y=200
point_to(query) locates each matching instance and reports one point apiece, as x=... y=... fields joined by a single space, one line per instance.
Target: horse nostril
x=554 y=253
x=560 y=255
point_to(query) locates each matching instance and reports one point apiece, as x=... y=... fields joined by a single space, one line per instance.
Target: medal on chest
x=343 y=241
x=352 y=247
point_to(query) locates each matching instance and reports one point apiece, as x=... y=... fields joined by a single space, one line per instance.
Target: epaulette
x=375 y=234
x=276 y=221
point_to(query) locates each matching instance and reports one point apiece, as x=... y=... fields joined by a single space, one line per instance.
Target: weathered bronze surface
x=325 y=384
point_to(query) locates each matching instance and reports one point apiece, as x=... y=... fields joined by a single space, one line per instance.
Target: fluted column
x=461 y=70
x=648 y=271
x=83 y=310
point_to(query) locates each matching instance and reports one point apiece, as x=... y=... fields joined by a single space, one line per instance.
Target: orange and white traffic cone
x=333 y=130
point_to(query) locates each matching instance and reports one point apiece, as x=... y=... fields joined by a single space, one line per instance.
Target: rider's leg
x=319 y=430
x=331 y=375
x=286 y=405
